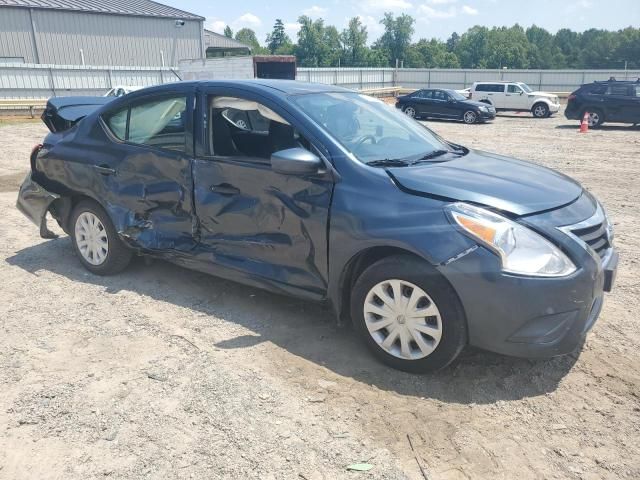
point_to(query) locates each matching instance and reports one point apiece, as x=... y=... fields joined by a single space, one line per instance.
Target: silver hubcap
x=540 y=111
x=402 y=319
x=410 y=111
x=91 y=238
x=593 y=119
x=469 y=117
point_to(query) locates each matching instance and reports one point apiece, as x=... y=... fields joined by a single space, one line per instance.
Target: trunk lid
x=62 y=113
x=503 y=183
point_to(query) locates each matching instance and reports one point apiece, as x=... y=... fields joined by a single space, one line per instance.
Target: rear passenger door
x=145 y=170
x=422 y=101
x=634 y=104
x=618 y=102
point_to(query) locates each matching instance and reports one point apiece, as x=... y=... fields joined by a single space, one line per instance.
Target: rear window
x=490 y=87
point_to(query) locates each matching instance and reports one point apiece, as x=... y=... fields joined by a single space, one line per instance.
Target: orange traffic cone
x=584 y=126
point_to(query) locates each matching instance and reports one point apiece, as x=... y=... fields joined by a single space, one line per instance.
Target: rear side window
x=636 y=90
x=157 y=123
x=423 y=94
x=440 y=95
x=618 y=90
x=490 y=87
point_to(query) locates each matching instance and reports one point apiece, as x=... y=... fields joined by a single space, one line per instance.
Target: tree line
x=322 y=45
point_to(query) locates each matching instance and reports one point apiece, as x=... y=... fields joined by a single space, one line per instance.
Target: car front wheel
x=470 y=117
x=408 y=315
x=95 y=240
x=540 y=110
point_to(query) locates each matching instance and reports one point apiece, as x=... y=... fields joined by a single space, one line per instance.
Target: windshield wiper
x=388 y=162
x=434 y=154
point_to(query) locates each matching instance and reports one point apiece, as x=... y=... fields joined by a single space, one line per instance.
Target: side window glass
x=598 y=90
x=159 y=123
x=439 y=95
x=498 y=88
x=618 y=90
x=637 y=91
x=117 y=123
x=248 y=129
x=513 y=89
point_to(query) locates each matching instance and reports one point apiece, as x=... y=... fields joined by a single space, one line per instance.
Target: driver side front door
x=253 y=222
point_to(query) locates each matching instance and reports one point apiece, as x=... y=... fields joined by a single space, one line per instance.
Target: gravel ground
x=165 y=373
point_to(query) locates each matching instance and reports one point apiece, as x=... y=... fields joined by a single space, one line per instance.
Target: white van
x=515 y=96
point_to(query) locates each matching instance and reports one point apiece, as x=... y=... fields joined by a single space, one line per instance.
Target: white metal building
x=98 y=32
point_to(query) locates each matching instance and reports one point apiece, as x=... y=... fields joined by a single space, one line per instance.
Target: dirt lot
x=165 y=373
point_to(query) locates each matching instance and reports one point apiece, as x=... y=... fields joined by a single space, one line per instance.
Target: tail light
x=34 y=154
x=571 y=97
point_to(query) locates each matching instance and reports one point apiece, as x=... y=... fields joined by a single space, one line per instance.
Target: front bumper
x=490 y=115
x=526 y=316
x=554 y=107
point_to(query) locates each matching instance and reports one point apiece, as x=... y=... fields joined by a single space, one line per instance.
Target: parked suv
x=515 y=96
x=611 y=101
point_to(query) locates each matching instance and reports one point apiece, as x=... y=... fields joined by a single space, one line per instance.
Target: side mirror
x=521 y=92
x=295 y=161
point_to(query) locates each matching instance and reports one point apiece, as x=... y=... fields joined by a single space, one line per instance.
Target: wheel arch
x=357 y=264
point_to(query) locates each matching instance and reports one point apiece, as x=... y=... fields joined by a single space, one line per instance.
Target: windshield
x=455 y=95
x=525 y=87
x=369 y=128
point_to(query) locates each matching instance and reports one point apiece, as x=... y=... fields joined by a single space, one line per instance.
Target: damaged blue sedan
x=333 y=196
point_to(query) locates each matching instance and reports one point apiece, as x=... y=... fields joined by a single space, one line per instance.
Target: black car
x=329 y=195
x=446 y=105
x=609 y=101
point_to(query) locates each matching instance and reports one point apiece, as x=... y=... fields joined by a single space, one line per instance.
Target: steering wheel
x=364 y=139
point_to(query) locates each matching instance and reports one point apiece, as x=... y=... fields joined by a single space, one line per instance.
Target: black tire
x=540 y=110
x=410 y=108
x=596 y=117
x=118 y=255
x=470 y=117
x=427 y=278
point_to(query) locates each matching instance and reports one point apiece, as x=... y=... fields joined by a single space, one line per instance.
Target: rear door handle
x=225 y=189
x=104 y=170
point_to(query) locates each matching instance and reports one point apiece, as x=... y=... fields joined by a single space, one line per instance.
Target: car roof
x=286 y=87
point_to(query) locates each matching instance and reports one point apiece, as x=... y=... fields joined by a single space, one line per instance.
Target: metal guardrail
x=22 y=104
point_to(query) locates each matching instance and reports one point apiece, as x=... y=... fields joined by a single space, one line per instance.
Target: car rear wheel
x=595 y=118
x=95 y=240
x=540 y=110
x=410 y=111
x=470 y=117
x=408 y=315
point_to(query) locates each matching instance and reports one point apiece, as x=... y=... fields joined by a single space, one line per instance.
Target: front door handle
x=225 y=189
x=104 y=170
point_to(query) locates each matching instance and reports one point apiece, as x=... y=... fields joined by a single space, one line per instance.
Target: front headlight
x=521 y=250
x=484 y=109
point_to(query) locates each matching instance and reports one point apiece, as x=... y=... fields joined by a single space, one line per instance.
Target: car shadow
x=304 y=329
x=604 y=128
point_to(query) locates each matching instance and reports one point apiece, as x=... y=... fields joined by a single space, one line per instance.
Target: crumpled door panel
x=271 y=225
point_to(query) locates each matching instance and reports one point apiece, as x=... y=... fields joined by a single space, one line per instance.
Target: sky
x=434 y=18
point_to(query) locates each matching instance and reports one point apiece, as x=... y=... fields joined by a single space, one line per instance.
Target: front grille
x=594 y=233
x=596 y=237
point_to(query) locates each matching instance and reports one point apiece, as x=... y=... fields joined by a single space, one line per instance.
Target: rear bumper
x=524 y=316
x=34 y=201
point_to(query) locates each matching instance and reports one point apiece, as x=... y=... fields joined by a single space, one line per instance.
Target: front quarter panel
x=370 y=211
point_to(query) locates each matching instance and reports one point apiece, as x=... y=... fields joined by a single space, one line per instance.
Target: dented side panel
x=267 y=224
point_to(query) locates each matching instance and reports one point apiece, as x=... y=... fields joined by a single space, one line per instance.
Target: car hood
x=543 y=94
x=474 y=103
x=503 y=183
